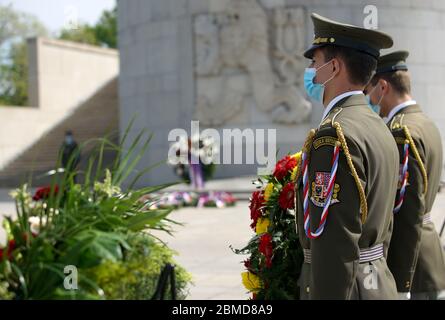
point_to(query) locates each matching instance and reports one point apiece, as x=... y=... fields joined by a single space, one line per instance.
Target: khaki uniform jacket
x=416 y=256
x=335 y=271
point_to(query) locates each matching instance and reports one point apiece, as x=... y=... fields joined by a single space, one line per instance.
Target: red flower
x=284 y=166
x=266 y=248
x=256 y=204
x=44 y=192
x=11 y=247
x=286 y=199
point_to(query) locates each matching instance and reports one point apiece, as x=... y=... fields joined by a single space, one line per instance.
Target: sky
x=55 y=14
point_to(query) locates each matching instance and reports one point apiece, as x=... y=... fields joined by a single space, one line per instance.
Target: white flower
x=34 y=223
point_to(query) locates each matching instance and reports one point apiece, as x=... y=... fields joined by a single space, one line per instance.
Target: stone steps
x=95 y=118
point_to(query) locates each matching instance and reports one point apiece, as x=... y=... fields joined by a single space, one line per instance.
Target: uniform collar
x=334 y=101
x=397 y=109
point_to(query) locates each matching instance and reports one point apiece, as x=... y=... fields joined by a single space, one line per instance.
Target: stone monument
x=238 y=64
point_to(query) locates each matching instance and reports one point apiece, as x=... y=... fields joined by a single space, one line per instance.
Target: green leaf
x=147 y=219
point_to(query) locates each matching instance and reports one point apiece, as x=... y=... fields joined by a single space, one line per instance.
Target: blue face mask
x=374 y=107
x=315 y=91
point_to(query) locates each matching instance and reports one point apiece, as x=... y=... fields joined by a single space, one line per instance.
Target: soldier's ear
x=337 y=65
x=384 y=85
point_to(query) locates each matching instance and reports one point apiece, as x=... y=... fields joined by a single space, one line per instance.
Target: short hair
x=400 y=80
x=360 y=66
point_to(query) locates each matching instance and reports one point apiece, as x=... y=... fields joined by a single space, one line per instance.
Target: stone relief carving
x=245 y=53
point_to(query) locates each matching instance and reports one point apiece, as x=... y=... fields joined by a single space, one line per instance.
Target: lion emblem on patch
x=320 y=189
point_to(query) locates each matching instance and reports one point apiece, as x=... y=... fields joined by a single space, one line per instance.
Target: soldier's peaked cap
x=392 y=62
x=329 y=32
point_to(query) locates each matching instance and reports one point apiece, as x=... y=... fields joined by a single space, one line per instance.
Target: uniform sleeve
x=405 y=241
x=335 y=254
x=304 y=241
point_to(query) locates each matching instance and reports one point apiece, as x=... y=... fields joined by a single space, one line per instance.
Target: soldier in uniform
x=347 y=179
x=415 y=256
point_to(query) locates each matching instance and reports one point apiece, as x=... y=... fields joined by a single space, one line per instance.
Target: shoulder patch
x=320 y=189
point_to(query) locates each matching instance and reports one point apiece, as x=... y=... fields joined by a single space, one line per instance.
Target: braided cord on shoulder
x=417 y=156
x=361 y=191
x=306 y=148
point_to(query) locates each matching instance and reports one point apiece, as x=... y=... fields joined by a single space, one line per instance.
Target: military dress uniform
x=347 y=170
x=415 y=256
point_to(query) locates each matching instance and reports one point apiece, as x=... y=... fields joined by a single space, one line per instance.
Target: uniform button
x=307 y=289
x=407 y=284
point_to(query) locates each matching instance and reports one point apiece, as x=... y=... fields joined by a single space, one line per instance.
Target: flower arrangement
x=168 y=200
x=216 y=199
x=178 y=199
x=194 y=162
x=275 y=256
x=90 y=225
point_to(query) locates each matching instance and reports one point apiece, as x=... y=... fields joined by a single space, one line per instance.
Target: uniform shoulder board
x=396 y=122
x=335 y=113
x=329 y=121
x=326 y=123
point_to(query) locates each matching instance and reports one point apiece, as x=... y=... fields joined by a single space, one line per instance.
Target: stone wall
x=19 y=128
x=62 y=75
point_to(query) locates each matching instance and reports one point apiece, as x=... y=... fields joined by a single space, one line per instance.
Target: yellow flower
x=297 y=155
x=262 y=225
x=293 y=176
x=268 y=191
x=251 y=281
x=297 y=167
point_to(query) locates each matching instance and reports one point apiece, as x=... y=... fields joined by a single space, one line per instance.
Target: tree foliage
x=15 y=28
x=15 y=24
x=103 y=33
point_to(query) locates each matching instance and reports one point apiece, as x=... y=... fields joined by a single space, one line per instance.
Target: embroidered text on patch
x=324 y=141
